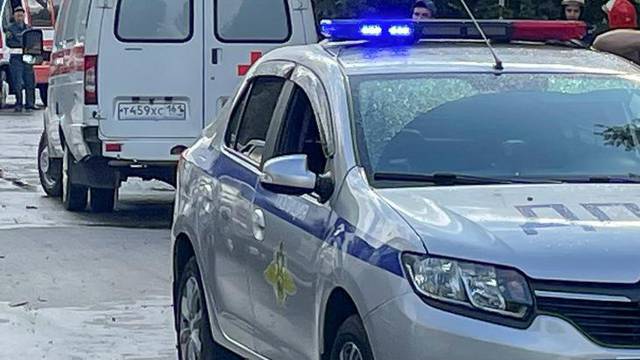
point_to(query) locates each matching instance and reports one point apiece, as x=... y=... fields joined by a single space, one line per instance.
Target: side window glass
x=300 y=133
x=61 y=25
x=7 y=15
x=72 y=20
x=256 y=117
x=40 y=13
x=83 y=18
x=232 y=131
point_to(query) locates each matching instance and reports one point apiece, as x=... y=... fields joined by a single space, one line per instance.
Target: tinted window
x=83 y=18
x=154 y=20
x=256 y=117
x=300 y=133
x=252 y=21
x=40 y=13
x=525 y=125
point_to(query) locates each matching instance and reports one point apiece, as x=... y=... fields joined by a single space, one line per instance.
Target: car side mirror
x=288 y=175
x=32 y=47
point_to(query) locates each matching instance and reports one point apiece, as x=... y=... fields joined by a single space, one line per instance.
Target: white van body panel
x=146 y=72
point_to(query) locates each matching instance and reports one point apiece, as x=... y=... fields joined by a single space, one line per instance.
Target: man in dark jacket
x=22 y=75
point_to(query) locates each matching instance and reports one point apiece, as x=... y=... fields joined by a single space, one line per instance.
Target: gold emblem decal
x=279 y=277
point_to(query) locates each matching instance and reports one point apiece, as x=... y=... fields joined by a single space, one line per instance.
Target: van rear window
x=253 y=21
x=154 y=20
x=40 y=13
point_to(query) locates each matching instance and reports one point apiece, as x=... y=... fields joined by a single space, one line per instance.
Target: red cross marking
x=243 y=69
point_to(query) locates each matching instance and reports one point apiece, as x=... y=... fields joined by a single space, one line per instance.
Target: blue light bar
x=380 y=30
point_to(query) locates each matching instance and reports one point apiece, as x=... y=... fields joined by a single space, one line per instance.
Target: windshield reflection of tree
x=624 y=136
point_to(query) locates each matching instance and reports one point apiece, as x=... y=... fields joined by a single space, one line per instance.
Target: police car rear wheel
x=49 y=169
x=351 y=342
x=74 y=196
x=194 y=331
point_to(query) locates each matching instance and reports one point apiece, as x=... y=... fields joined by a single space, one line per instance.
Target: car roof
x=361 y=58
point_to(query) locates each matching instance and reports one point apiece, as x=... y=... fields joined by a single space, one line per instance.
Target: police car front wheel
x=351 y=342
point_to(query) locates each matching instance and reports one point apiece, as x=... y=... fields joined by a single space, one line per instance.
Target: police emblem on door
x=279 y=277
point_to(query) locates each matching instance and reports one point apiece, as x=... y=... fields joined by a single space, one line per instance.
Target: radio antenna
x=498 y=63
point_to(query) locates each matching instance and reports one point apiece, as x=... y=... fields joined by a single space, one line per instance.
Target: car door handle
x=259 y=224
x=215 y=56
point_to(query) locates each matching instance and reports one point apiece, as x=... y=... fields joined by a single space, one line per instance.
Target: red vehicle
x=40 y=14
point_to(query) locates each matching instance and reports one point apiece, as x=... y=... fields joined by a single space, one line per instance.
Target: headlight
x=487 y=289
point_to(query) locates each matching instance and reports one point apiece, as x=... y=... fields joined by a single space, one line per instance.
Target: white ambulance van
x=134 y=82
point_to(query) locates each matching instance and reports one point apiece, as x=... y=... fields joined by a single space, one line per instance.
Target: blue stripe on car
x=341 y=234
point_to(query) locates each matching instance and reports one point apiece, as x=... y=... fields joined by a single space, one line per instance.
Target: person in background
x=22 y=74
x=621 y=14
x=424 y=10
x=573 y=9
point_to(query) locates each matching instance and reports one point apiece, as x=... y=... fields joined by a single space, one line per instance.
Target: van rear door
x=149 y=73
x=240 y=32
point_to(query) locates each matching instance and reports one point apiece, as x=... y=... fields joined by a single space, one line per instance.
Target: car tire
x=4 y=89
x=102 y=200
x=192 y=320
x=44 y=94
x=74 y=196
x=351 y=341
x=49 y=170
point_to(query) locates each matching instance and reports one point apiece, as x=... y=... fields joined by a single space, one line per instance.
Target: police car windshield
x=534 y=126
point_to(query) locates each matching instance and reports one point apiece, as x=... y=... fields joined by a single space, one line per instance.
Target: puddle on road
x=142 y=330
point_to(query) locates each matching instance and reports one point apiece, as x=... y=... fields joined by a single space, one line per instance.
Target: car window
x=72 y=19
x=300 y=133
x=7 y=16
x=154 y=20
x=255 y=119
x=40 y=13
x=83 y=9
x=252 y=21
x=482 y=125
x=61 y=24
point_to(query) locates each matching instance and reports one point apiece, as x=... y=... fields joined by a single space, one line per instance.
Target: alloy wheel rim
x=65 y=175
x=191 y=315
x=350 y=351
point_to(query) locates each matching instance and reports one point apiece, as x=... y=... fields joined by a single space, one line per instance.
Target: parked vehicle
x=40 y=14
x=133 y=83
x=389 y=200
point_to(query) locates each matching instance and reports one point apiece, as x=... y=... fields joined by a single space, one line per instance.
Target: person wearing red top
x=621 y=14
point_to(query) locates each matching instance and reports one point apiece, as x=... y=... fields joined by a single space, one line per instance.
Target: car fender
x=52 y=132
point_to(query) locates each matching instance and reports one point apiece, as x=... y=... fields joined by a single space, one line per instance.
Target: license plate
x=137 y=111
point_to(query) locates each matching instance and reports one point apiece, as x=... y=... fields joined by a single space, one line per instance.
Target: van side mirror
x=288 y=175
x=32 y=47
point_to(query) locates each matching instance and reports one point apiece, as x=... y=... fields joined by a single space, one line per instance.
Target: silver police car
x=362 y=200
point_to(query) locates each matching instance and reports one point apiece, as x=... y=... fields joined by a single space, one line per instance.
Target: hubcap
x=350 y=351
x=65 y=174
x=190 y=320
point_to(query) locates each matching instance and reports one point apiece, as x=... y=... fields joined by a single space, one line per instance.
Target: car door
x=289 y=232
x=227 y=239
x=149 y=69
x=239 y=32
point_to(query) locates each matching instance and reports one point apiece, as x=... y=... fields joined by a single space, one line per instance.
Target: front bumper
x=407 y=328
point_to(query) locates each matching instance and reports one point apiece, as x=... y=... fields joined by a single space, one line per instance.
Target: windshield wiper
x=445 y=179
x=604 y=179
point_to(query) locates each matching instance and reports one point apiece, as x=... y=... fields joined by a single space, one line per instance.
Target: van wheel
x=49 y=169
x=192 y=320
x=44 y=93
x=74 y=197
x=351 y=341
x=102 y=200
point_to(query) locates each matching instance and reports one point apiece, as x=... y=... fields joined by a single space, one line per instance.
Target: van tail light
x=91 y=80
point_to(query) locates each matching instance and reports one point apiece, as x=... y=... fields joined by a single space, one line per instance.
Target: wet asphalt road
x=79 y=286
